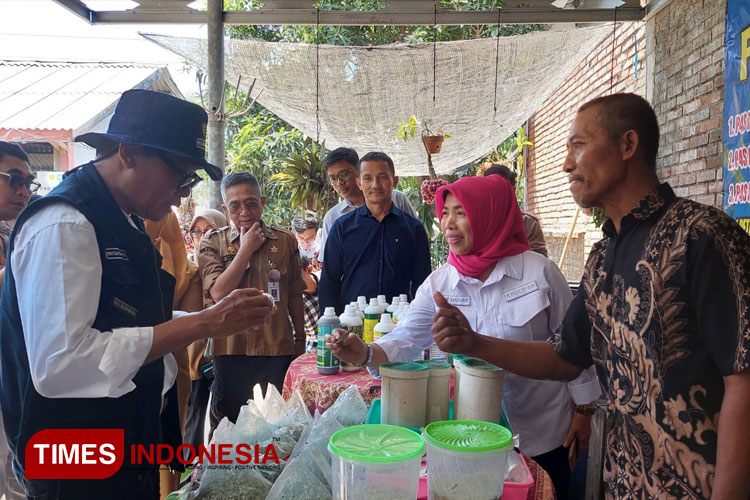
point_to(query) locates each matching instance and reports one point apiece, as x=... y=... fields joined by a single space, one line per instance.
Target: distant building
x=44 y=105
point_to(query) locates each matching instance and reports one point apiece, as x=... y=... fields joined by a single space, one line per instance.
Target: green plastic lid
x=480 y=364
x=467 y=435
x=434 y=363
x=405 y=367
x=376 y=443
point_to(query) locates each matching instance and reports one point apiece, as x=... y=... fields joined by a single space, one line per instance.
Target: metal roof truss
x=397 y=13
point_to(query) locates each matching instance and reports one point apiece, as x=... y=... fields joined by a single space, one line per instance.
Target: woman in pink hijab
x=504 y=290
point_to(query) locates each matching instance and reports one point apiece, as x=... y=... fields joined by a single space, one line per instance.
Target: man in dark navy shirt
x=376 y=249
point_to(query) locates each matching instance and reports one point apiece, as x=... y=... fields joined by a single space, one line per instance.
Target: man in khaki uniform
x=533 y=229
x=251 y=254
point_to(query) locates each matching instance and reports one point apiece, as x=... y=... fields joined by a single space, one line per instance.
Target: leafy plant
x=408 y=129
x=305 y=181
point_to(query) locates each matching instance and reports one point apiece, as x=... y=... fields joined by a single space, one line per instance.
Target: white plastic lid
x=395 y=301
x=362 y=299
x=330 y=311
x=403 y=297
x=381 y=299
x=374 y=302
x=385 y=318
x=349 y=309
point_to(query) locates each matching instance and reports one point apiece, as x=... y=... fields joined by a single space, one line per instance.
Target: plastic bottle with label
x=328 y=364
x=383 y=328
x=394 y=305
x=372 y=315
x=351 y=321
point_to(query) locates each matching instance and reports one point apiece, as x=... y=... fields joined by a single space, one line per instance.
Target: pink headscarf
x=497 y=228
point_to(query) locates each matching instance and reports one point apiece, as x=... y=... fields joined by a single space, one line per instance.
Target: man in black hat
x=86 y=324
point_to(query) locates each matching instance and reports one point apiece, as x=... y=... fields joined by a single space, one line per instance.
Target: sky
x=41 y=30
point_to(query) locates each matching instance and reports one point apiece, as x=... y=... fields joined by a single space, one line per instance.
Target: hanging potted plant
x=433 y=143
x=305 y=179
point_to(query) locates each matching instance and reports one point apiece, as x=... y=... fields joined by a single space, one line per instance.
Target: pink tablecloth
x=320 y=392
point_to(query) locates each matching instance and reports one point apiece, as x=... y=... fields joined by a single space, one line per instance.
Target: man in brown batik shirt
x=250 y=254
x=663 y=311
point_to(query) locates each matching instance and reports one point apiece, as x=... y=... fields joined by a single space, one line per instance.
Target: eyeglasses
x=16 y=181
x=188 y=180
x=250 y=204
x=342 y=176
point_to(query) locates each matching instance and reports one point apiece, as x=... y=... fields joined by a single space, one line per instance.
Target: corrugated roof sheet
x=41 y=95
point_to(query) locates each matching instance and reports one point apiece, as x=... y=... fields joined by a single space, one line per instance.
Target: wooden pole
x=570 y=236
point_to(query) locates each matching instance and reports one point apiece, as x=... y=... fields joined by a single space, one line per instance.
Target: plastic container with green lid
x=438 y=390
x=480 y=388
x=463 y=457
x=375 y=461
x=404 y=394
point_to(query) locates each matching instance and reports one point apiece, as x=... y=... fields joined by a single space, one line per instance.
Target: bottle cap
x=330 y=311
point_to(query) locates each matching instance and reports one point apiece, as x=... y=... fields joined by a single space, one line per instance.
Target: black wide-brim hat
x=159 y=121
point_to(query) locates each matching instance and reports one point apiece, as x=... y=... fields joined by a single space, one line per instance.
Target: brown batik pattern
x=663 y=393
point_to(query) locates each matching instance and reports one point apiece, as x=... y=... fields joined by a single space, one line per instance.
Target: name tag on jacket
x=458 y=300
x=522 y=290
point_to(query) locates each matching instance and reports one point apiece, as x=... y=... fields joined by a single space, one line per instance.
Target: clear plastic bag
x=515 y=471
x=299 y=482
x=349 y=408
x=296 y=417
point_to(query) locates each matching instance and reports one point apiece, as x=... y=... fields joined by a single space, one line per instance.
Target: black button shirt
x=663 y=310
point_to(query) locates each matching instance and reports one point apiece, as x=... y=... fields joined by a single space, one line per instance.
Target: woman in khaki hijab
x=167 y=238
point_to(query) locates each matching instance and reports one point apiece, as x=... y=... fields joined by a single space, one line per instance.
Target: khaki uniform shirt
x=534 y=234
x=280 y=251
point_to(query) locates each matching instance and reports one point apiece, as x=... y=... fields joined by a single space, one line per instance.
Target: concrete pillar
x=216 y=126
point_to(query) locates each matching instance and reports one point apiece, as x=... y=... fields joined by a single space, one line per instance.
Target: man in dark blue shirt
x=377 y=249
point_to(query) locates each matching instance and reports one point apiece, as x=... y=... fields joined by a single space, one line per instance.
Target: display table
x=319 y=392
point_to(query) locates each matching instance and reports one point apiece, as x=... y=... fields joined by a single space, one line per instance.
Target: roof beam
x=78 y=8
x=381 y=17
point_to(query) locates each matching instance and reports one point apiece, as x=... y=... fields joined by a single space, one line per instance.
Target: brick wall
x=688 y=96
x=548 y=195
x=680 y=71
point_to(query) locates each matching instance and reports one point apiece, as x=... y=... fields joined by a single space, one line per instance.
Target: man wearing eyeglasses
x=16 y=186
x=86 y=327
x=341 y=167
x=250 y=253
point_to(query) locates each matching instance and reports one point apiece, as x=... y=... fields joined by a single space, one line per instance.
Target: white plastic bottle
x=383 y=328
x=372 y=315
x=401 y=313
x=351 y=321
x=383 y=301
x=394 y=305
x=359 y=313
x=362 y=303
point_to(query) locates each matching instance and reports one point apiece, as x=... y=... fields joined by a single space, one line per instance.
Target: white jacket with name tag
x=524 y=298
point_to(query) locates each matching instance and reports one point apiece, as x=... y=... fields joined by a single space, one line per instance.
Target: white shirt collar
x=508 y=266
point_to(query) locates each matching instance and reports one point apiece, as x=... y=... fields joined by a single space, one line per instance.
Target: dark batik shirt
x=663 y=311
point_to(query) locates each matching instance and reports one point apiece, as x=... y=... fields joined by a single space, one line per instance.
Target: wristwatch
x=586 y=410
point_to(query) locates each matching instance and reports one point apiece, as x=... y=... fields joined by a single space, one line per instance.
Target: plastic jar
x=480 y=386
x=438 y=391
x=466 y=459
x=404 y=394
x=375 y=461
